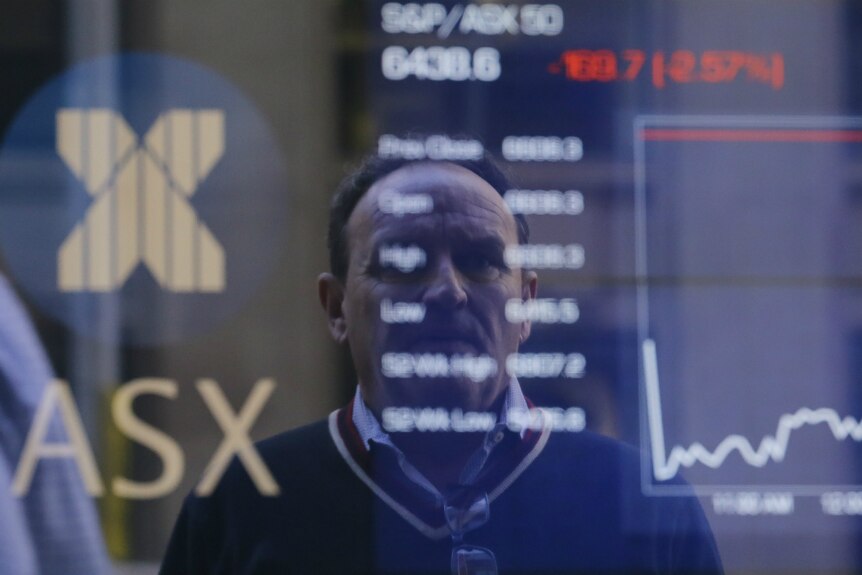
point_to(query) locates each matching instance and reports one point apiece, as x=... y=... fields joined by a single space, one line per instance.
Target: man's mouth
x=444 y=340
x=448 y=346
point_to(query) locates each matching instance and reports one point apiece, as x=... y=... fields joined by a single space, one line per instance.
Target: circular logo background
x=142 y=199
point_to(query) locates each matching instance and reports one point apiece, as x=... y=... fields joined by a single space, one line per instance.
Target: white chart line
x=772 y=447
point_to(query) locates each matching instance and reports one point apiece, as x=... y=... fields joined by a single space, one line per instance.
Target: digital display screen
x=173 y=272
x=690 y=172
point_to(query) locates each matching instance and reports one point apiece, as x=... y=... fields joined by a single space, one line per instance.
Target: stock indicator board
x=692 y=174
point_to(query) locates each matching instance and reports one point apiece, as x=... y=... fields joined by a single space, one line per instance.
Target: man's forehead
x=431 y=176
x=420 y=193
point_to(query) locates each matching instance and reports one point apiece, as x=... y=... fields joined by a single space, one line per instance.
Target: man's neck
x=439 y=456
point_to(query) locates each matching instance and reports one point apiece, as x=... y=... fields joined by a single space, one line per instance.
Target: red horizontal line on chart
x=760 y=135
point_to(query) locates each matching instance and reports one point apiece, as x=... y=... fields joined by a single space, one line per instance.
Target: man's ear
x=330 y=290
x=529 y=289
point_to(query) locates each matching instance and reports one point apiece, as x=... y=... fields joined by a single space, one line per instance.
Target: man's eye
x=397 y=262
x=397 y=274
x=481 y=266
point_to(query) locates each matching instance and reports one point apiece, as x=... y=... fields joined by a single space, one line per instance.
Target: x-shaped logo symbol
x=141 y=212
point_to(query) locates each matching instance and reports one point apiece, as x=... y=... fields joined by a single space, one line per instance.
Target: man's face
x=429 y=239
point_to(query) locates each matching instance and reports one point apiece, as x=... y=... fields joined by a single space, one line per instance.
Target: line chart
x=771 y=448
x=677 y=236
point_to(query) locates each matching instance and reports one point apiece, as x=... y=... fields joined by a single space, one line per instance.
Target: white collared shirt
x=369 y=429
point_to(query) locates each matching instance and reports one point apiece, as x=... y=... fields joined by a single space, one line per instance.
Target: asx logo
x=145 y=199
x=140 y=213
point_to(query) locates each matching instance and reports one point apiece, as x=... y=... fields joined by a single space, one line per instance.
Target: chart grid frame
x=702 y=123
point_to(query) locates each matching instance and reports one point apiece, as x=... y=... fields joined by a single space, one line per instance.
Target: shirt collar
x=369 y=427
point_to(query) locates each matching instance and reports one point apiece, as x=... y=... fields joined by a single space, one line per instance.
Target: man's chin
x=450 y=360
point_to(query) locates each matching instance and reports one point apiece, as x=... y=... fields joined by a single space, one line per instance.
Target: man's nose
x=446 y=289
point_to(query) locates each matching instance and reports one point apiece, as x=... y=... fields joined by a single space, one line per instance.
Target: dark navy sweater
x=576 y=508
